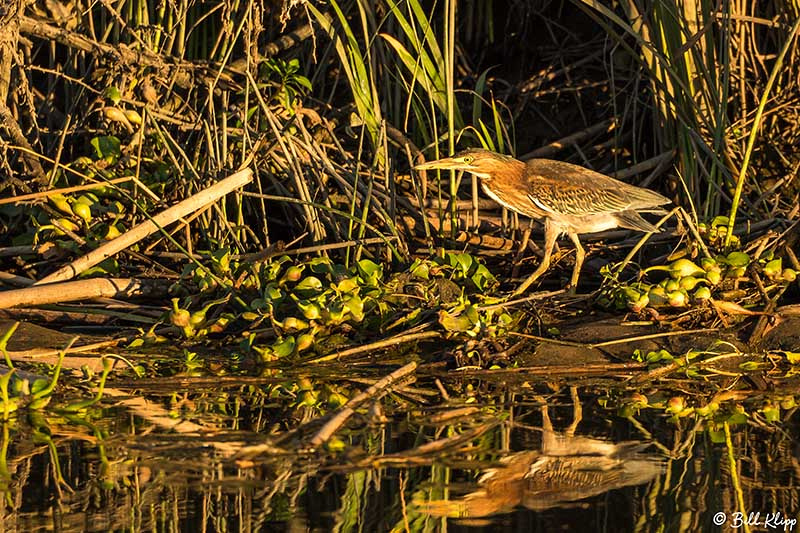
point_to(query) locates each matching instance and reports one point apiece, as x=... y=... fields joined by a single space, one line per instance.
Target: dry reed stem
x=65 y=190
x=379 y=345
x=13 y=279
x=623 y=340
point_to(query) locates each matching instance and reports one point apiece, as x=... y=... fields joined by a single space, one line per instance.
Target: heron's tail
x=633 y=220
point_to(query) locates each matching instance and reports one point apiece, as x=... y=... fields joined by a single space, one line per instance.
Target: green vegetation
x=291 y=312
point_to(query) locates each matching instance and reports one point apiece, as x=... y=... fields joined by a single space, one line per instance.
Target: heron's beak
x=448 y=163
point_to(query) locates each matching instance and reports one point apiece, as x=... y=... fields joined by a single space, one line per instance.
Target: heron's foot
x=576 y=273
x=572 y=287
x=550 y=235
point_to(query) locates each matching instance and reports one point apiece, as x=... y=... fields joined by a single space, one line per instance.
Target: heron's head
x=482 y=163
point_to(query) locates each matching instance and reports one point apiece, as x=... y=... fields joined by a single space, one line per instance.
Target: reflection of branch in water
x=567 y=469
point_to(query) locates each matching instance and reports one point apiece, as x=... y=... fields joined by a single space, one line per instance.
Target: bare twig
x=569 y=140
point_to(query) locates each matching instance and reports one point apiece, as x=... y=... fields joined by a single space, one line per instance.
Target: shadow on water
x=474 y=451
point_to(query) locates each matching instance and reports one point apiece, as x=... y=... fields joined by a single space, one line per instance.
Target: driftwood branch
x=182 y=73
x=186 y=74
x=148 y=227
x=85 y=289
x=379 y=389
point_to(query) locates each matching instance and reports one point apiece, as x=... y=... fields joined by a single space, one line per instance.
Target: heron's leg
x=580 y=255
x=550 y=235
x=577 y=412
x=526 y=236
x=549 y=438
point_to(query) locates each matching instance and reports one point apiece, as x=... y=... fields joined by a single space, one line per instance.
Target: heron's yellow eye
x=468 y=160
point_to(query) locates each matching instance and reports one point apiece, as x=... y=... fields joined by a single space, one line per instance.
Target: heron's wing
x=567 y=189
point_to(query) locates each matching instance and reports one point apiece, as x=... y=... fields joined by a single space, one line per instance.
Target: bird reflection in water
x=567 y=469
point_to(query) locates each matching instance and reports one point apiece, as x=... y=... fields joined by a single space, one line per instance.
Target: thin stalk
x=751 y=141
x=737 y=486
x=354 y=198
x=450 y=48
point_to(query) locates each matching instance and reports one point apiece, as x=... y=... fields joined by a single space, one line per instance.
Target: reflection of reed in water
x=567 y=469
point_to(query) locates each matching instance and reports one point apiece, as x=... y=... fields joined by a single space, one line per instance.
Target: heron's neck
x=512 y=171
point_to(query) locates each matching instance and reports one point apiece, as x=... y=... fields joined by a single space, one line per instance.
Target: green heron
x=571 y=199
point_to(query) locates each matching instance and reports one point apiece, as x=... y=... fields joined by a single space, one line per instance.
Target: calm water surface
x=444 y=450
